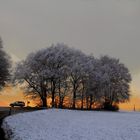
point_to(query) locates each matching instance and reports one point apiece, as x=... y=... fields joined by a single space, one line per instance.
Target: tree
x=91 y=81
x=76 y=66
x=4 y=66
x=114 y=82
x=43 y=70
x=30 y=73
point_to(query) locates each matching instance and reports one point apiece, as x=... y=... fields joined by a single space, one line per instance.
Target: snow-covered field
x=55 y=124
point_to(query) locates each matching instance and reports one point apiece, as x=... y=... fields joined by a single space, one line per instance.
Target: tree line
x=66 y=74
x=70 y=78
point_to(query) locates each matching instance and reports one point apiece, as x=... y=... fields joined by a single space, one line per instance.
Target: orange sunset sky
x=11 y=94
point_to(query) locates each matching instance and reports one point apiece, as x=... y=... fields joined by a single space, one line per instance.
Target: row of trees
x=68 y=75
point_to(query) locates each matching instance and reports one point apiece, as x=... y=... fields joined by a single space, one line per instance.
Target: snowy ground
x=58 y=124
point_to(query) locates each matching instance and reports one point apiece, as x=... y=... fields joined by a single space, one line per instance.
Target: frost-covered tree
x=107 y=82
x=63 y=86
x=30 y=73
x=44 y=70
x=57 y=58
x=76 y=66
x=93 y=82
x=4 y=66
x=115 y=79
x=60 y=71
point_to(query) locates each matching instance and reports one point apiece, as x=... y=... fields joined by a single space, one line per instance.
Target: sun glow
x=10 y=94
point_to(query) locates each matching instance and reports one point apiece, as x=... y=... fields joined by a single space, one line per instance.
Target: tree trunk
x=87 y=102
x=82 y=101
x=44 y=102
x=90 y=106
x=53 y=94
x=44 y=96
x=53 y=99
x=61 y=102
x=74 y=97
x=82 y=96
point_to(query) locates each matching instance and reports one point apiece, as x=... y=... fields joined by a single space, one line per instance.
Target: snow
x=57 y=124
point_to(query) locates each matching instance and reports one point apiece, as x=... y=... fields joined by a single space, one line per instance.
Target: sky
x=97 y=27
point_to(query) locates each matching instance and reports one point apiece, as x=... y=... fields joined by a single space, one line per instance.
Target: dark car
x=17 y=103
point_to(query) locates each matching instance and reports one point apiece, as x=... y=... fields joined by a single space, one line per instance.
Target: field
x=56 y=124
